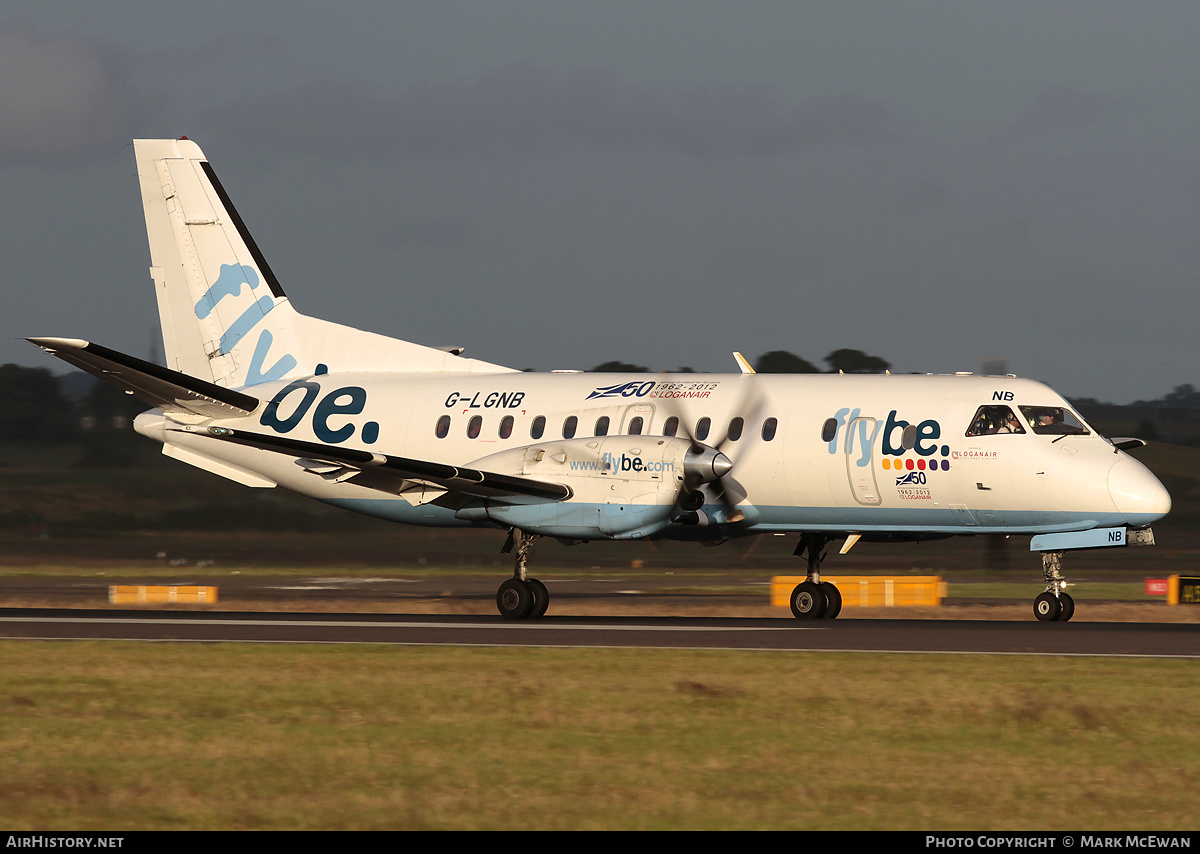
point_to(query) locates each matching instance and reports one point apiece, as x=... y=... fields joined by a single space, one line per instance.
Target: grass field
x=174 y=736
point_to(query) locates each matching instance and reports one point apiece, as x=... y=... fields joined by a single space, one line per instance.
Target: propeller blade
x=707 y=463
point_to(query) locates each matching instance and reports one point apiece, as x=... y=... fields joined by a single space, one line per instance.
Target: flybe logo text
x=229 y=285
x=895 y=436
x=291 y=404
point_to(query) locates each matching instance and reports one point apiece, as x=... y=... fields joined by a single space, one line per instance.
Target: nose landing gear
x=1055 y=605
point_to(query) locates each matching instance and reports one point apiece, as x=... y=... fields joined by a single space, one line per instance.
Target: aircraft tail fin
x=225 y=318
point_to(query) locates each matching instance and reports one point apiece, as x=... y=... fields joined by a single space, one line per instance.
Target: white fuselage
x=835 y=453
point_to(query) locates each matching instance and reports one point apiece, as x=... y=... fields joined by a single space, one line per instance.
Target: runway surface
x=894 y=636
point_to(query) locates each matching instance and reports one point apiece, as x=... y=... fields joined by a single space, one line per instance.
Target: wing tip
x=48 y=343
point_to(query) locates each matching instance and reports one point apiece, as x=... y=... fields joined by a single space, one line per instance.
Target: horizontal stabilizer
x=168 y=390
x=480 y=484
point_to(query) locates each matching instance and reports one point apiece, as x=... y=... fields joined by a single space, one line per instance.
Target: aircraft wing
x=168 y=390
x=389 y=474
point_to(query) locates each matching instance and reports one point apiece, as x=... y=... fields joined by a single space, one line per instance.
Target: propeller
x=707 y=463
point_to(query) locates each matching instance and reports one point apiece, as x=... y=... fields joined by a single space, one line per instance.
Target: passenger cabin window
x=443 y=427
x=538 y=427
x=473 y=426
x=602 y=426
x=570 y=426
x=828 y=429
x=769 y=427
x=996 y=418
x=635 y=426
x=1053 y=421
x=735 y=429
x=506 y=426
x=702 y=428
x=671 y=427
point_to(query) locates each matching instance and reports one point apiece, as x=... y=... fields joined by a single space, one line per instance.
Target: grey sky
x=555 y=185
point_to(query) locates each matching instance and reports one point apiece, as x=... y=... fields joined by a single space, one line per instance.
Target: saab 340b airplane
x=265 y=396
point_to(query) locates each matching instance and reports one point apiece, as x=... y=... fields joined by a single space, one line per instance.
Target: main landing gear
x=1055 y=605
x=813 y=598
x=521 y=597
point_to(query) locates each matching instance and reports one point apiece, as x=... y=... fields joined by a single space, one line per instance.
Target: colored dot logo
x=916 y=465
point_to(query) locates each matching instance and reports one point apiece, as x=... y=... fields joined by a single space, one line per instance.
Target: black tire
x=1068 y=607
x=541 y=598
x=808 y=601
x=514 y=599
x=833 y=600
x=1046 y=607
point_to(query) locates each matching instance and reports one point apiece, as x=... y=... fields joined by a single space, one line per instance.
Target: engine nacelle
x=622 y=486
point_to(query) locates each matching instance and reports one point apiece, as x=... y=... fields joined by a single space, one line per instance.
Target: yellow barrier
x=868 y=591
x=135 y=594
x=1183 y=590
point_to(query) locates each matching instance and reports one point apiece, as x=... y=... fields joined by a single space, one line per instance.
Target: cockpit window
x=994 y=419
x=1053 y=421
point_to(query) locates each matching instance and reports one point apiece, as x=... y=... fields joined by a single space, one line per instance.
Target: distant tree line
x=36 y=407
x=1184 y=396
x=782 y=362
x=32 y=406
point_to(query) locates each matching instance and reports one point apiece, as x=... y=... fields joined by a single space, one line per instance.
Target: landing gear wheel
x=808 y=601
x=1054 y=604
x=514 y=599
x=833 y=600
x=541 y=598
x=1047 y=608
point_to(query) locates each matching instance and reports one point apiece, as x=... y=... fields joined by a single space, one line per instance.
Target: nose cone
x=1137 y=493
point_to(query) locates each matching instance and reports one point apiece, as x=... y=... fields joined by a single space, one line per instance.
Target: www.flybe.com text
x=621 y=462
